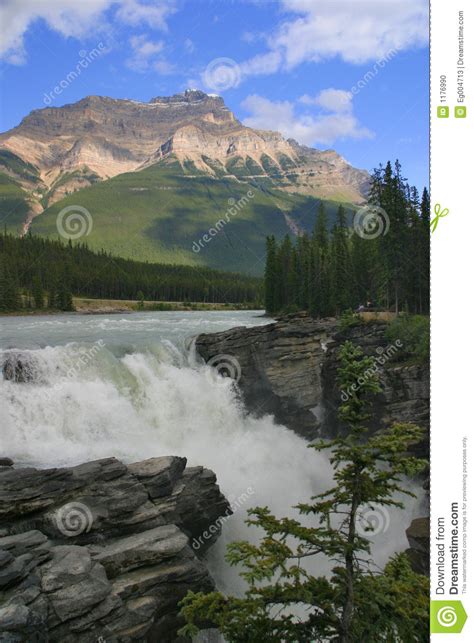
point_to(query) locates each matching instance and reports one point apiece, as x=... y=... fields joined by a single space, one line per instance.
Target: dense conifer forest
x=383 y=261
x=385 y=264
x=37 y=273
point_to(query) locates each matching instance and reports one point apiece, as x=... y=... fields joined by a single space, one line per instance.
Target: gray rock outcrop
x=418 y=535
x=288 y=368
x=101 y=551
x=20 y=367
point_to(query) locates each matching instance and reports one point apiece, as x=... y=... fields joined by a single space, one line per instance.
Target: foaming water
x=133 y=399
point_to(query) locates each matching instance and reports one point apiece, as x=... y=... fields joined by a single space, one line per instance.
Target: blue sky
x=350 y=75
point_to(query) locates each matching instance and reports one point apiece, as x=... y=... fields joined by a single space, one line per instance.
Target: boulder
x=101 y=551
x=418 y=535
x=19 y=367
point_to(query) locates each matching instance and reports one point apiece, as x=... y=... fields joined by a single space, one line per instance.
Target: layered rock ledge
x=288 y=368
x=101 y=551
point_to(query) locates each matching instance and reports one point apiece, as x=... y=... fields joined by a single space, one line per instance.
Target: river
x=131 y=386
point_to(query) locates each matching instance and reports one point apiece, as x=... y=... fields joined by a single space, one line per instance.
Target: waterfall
x=88 y=401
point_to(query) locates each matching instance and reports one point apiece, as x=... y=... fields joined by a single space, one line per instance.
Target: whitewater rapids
x=133 y=388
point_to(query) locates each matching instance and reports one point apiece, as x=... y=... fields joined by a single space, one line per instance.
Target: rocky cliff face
x=67 y=148
x=101 y=551
x=288 y=368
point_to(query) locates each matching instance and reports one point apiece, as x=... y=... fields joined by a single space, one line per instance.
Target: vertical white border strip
x=452 y=310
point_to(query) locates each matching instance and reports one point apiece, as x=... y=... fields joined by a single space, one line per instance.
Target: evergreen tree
x=285 y=274
x=37 y=292
x=330 y=273
x=100 y=275
x=424 y=250
x=9 y=295
x=271 y=302
x=355 y=602
x=341 y=284
x=321 y=281
x=64 y=296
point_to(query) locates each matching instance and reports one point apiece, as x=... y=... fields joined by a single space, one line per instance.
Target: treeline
x=39 y=273
x=381 y=255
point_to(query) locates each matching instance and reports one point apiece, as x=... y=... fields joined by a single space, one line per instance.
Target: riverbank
x=87 y=306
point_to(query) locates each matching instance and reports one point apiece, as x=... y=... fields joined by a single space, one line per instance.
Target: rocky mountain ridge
x=58 y=150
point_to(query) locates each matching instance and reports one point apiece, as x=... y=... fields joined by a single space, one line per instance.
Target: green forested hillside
x=13 y=204
x=161 y=213
x=38 y=273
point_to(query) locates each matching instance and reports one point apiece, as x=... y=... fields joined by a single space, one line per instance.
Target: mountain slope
x=164 y=213
x=156 y=176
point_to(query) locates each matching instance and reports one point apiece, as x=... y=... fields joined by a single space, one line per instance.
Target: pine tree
x=320 y=284
x=63 y=299
x=356 y=603
x=285 y=273
x=3 y=287
x=424 y=295
x=37 y=292
x=271 y=304
x=341 y=273
x=9 y=295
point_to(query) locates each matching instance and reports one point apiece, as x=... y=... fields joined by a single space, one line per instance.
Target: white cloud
x=262 y=64
x=332 y=100
x=153 y=14
x=357 y=31
x=143 y=51
x=164 y=67
x=72 y=18
x=189 y=45
x=309 y=129
x=147 y=56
